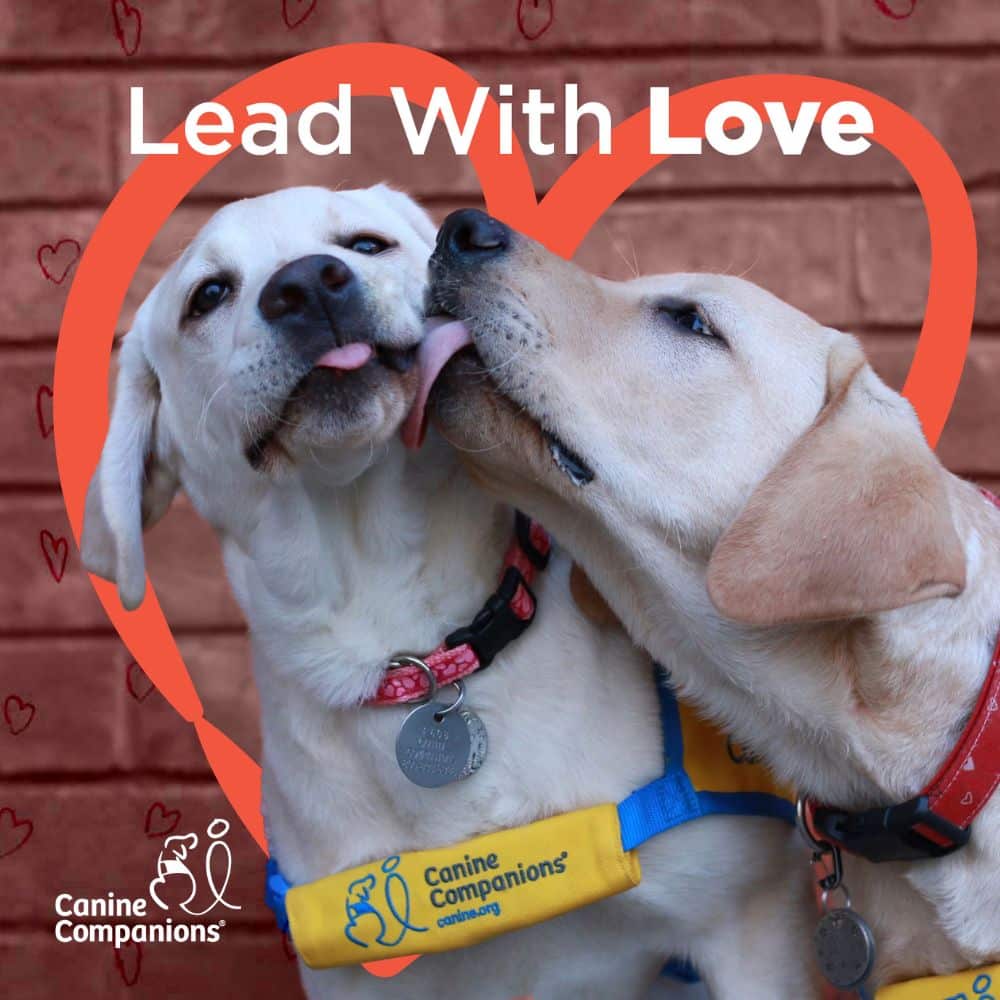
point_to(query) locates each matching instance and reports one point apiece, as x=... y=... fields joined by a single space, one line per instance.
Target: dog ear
x=853 y=520
x=133 y=485
x=405 y=206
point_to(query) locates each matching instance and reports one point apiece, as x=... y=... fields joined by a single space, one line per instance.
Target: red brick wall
x=845 y=239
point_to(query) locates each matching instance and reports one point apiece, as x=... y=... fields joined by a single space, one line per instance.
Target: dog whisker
x=203 y=419
x=468 y=450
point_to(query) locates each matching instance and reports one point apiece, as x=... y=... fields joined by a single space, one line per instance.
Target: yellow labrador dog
x=268 y=374
x=765 y=517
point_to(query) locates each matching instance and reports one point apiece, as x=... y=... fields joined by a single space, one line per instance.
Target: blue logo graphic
x=371 y=908
x=980 y=986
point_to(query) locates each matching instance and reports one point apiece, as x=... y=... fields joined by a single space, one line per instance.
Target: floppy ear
x=418 y=219
x=132 y=485
x=853 y=520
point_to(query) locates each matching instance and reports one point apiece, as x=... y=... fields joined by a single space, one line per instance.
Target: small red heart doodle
x=18 y=714
x=61 y=256
x=56 y=551
x=14 y=833
x=294 y=12
x=160 y=821
x=128 y=25
x=896 y=15
x=138 y=684
x=534 y=17
x=41 y=406
x=286 y=943
x=128 y=962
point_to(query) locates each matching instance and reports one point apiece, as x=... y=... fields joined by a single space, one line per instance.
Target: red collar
x=938 y=820
x=504 y=616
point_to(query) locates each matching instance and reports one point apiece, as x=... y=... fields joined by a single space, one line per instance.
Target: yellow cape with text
x=452 y=897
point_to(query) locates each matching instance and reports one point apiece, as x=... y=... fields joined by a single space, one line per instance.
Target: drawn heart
x=14 y=833
x=534 y=17
x=138 y=684
x=43 y=410
x=56 y=551
x=896 y=15
x=55 y=260
x=160 y=821
x=128 y=25
x=128 y=962
x=560 y=221
x=17 y=714
x=294 y=12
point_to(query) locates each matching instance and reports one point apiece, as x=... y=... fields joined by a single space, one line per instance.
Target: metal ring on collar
x=459 y=686
x=824 y=897
x=409 y=660
x=819 y=846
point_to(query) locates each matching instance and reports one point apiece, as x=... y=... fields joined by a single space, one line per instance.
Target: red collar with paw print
x=504 y=616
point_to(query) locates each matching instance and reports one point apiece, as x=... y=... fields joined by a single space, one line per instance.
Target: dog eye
x=688 y=318
x=207 y=296
x=368 y=244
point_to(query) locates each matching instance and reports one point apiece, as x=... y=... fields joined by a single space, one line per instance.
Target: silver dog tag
x=845 y=948
x=434 y=746
x=478 y=741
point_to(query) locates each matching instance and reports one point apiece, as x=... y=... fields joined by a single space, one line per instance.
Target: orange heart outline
x=560 y=221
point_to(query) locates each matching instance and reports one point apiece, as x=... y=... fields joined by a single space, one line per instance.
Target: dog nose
x=304 y=286
x=469 y=231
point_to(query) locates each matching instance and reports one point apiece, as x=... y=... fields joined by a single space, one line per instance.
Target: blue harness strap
x=276 y=887
x=672 y=799
x=681 y=969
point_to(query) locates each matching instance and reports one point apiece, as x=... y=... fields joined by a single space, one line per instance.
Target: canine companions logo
x=177 y=848
x=370 y=899
x=175 y=876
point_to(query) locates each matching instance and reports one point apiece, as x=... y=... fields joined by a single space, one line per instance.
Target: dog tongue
x=444 y=337
x=346 y=358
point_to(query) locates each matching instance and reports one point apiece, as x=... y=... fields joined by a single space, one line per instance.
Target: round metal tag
x=434 y=745
x=845 y=948
x=478 y=741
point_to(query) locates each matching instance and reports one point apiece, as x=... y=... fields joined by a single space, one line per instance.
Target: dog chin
x=330 y=411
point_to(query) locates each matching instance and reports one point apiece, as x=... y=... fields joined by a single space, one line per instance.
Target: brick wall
x=86 y=749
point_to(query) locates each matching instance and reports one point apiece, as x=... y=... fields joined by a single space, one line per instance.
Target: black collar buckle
x=496 y=624
x=891 y=834
x=522 y=528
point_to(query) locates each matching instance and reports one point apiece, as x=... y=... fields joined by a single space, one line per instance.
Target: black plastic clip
x=891 y=834
x=522 y=528
x=496 y=624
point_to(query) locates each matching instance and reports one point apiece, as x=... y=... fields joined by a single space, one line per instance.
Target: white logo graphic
x=173 y=863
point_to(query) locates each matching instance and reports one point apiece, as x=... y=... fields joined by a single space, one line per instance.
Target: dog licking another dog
x=268 y=374
x=758 y=510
